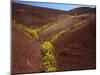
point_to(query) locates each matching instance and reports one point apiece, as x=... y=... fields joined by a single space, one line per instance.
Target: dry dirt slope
x=77 y=49
x=74 y=50
x=26 y=53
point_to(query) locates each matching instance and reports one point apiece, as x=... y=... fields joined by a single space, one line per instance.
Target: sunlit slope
x=72 y=22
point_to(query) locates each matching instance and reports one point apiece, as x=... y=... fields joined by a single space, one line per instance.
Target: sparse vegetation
x=52 y=40
x=32 y=32
x=57 y=35
x=49 y=60
x=77 y=25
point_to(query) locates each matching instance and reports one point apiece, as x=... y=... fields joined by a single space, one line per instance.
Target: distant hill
x=82 y=10
x=32 y=15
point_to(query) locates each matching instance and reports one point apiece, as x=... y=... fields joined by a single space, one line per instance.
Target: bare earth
x=75 y=50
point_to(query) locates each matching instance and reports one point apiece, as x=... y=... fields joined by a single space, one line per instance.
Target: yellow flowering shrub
x=47 y=45
x=56 y=36
x=51 y=69
x=49 y=62
x=34 y=33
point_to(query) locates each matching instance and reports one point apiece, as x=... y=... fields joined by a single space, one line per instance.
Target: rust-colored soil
x=77 y=50
x=26 y=53
x=74 y=50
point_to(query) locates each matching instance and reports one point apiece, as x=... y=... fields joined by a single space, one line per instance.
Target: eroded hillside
x=46 y=40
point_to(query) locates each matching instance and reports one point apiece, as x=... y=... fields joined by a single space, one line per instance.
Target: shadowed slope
x=26 y=53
